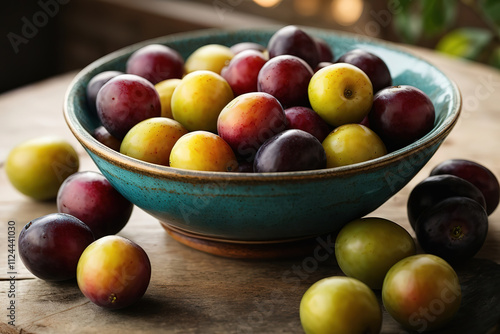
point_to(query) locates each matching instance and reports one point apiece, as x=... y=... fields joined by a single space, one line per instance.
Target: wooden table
x=191 y=291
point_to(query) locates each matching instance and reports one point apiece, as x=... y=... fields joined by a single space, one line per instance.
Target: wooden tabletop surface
x=191 y=291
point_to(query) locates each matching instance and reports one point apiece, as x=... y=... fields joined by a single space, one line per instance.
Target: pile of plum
x=282 y=107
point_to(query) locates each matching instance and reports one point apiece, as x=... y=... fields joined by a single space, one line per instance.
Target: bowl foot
x=243 y=249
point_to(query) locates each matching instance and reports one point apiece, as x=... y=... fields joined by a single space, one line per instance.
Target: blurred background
x=47 y=37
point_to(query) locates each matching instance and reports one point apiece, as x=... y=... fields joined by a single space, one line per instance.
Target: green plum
x=340 y=305
x=203 y=150
x=341 y=94
x=152 y=140
x=39 y=166
x=198 y=100
x=367 y=248
x=422 y=292
x=352 y=143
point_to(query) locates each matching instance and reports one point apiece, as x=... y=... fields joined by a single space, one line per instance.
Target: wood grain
x=193 y=292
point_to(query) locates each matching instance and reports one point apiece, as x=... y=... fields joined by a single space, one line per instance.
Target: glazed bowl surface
x=266 y=207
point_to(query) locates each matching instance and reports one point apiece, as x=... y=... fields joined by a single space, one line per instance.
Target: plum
x=126 y=100
x=243 y=46
x=401 y=115
x=156 y=62
x=203 y=150
x=374 y=67
x=291 y=40
x=436 y=188
x=104 y=137
x=290 y=150
x=340 y=305
x=91 y=198
x=341 y=94
x=367 y=248
x=324 y=50
x=243 y=70
x=475 y=173
x=113 y=272
x=209 y=57
x=38 y=167
x=165 y=90
x=454 y=229
x=286 y=78
x=95 y=84
x=198 y=100
x=422 y=292
x=152 y=140
x=50 y=246
x=304 y=118
x=352 y=143
x=249 y=120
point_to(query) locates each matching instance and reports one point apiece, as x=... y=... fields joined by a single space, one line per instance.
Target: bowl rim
x=91 y=144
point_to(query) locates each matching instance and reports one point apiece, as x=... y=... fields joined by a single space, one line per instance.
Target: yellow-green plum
x=340 y=305
x=367 y=248
x=165 y=89
x=210 y=57
x=341 y=94
x=422 y=292
x=39 y=166
x=198 y=100
x=205 y=151
x=152 y=140
x=113 y=272
x=352 y=143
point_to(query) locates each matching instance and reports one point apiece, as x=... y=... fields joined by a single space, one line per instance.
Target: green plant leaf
x=495 y=58
x=407 y=22
x=465 y=42
x=425 y=17
x=491 y=10
x=438 y=15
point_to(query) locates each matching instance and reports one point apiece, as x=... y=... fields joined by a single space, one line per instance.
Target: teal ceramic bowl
x=266 y=207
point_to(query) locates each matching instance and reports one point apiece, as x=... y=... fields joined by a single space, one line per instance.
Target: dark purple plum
x=243 y=46
x=324 y=50
x=454 y=229
x=291 y=40
x=242 y=71
x=156 y=62
x=91 y=198
x=290 y=150
x=287 y=79
x=400 y=115
x=306 y=119
x=437 y=188
x=103 y=136
x=475 y=173
x=126 y=100
x=245 y=166
x=50 y=246
x=95 y=84
x=374 y=67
